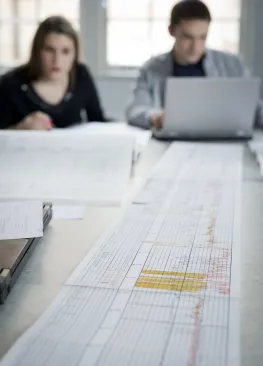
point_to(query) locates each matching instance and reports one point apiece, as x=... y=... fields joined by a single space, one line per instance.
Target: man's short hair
x=189 y=10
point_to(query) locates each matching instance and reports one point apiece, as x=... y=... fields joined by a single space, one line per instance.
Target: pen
x=49 y=122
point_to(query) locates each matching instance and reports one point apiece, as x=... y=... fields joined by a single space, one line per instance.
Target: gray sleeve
x=245 y=72
x=141 y=105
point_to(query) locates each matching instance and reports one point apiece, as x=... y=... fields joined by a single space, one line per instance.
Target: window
x=19 y=20
x=137 y=29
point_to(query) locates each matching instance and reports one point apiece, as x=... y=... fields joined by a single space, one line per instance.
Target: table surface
x=65 y=243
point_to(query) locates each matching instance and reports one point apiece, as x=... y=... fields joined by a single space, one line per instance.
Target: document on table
x=21 y=220
x=114 y=128
x=141 y=136
x=162 y=286
x=65 y=168
x=63 y=212
x=256 y=147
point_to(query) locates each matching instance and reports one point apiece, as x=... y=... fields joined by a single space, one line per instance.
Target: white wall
x=251 y=45
x=114 y=93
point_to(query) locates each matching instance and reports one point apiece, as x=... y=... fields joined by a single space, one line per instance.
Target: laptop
x=209 y=108
x=14 y=255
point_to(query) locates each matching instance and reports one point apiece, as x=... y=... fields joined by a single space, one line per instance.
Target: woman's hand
x=35 y=121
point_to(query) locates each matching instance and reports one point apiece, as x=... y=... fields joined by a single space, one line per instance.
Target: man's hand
x=157 y=120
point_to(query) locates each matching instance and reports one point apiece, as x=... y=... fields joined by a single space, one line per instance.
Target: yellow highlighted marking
x=171 y=281
x=185 y=287
x=167 y=280
x=176 y=274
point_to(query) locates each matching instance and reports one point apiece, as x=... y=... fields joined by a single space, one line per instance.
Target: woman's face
x=57 y=56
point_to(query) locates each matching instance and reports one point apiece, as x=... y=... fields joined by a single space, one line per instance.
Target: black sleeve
x=93 y=104
x=8 y=115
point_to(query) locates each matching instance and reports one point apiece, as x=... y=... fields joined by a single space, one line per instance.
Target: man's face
x=190 y=38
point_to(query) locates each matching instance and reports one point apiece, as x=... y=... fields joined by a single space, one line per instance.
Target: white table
x=66 y=242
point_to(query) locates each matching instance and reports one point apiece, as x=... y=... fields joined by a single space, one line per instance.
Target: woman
x=53 y=88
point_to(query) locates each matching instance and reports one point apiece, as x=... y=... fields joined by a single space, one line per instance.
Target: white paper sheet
x=114 y=128
x=141 y=136
x=68 y=212
x=21 y=220
x=60 y=167
x=162 y=286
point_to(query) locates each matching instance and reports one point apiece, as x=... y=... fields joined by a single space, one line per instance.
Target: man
x=189 y=25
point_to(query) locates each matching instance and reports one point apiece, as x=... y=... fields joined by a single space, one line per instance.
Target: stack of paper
x=21 y=220
x=62 y=167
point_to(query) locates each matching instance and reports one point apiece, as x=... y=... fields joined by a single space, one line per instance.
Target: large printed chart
x=161 y=287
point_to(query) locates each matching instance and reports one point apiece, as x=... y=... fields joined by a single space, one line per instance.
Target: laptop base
x=160 y=134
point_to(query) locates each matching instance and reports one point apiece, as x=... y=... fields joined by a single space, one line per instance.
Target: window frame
x=103 y=69
x=16 y=22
